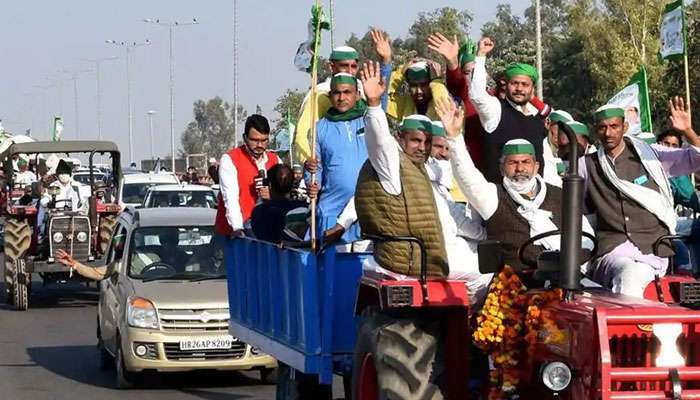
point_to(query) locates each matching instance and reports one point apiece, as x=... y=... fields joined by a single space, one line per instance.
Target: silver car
x=164 y=305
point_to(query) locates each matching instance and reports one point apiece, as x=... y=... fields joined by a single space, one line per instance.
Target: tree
x=447 y=20
x=287 y=105
x=211 y=132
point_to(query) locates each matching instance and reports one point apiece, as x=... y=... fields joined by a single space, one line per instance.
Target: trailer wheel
x=106 y=226
x=295 y=385
x=398 y=358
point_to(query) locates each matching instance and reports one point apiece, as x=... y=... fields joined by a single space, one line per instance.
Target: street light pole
x=97 y=63
x=235 y=73
x=128 y=46
x=150 y=130
x=538 y=29
x=171 y=26
x=74 y=77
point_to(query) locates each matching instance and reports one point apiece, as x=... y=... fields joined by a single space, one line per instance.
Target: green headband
x=578 y=128
x=611 y=112
x=418 y=74
x=560 y=116
x=516 y=69
x=344 y=53
x=467 y=53
x=21 y=162
x=409 y=124
x=339 y=79
x=518 y=148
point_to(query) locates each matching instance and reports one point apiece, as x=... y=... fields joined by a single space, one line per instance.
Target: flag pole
x=687 y=83
x=313 y=116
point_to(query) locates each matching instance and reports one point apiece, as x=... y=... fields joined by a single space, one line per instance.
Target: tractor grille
x=173 y=353
x=70 y=227
x=640 y=351
x=194 y=320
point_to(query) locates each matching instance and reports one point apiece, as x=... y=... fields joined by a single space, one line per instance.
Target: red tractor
x=33 y=232
x=414 y=337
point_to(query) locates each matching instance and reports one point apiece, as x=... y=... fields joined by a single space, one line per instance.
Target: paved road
x=49 y=353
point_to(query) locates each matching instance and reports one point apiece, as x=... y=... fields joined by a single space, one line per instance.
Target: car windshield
x=85 y=178
x=183 y=253
x=185 y=198
x=134 y=193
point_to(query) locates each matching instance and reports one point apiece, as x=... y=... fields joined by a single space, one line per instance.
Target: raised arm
x=382 y=47
x=382 y=149
x=481 y=194
x=488 y=107
x=683 y=161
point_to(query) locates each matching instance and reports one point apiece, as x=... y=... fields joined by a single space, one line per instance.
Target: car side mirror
x=490 y=256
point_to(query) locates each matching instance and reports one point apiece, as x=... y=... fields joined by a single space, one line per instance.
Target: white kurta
x=66 y=194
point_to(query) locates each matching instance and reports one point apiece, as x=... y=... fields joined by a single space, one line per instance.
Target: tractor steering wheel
x=588 y=254
x=159 y=267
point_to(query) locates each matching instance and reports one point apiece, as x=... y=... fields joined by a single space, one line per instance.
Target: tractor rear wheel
x=18 y=239
x=20 y=285
x=398 y=358
x=106 y=226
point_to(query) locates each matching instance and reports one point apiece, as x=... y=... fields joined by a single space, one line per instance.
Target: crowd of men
x=465 y=163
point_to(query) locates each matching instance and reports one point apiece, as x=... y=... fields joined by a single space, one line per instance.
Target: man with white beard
x=519 y=208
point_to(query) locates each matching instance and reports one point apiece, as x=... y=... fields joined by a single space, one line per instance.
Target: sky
x=44 y=38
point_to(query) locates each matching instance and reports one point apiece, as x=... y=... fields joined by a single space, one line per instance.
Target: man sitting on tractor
x=394 y=197
x=522 y=206
x=627 y=188
x=24 y=176
x=68 y=195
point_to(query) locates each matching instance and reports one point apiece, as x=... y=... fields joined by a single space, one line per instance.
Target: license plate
x=212 y=343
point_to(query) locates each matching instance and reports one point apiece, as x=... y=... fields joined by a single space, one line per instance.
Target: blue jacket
x=341 y=151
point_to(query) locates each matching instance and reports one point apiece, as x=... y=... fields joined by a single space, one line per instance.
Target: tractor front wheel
x=106 y=226
x=398 y=358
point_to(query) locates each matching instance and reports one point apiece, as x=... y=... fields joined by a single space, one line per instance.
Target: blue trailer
x=295 y=305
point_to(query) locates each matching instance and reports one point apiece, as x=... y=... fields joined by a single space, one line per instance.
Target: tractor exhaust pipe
x=572 y=212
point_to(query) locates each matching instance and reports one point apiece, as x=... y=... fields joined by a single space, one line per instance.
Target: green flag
x=673 y=31
x=304 y=57
x=634 y=99
x=57 y=128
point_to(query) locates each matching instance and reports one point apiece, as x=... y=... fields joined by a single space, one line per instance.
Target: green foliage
x=446 y=20
x=211 y=132
x=287 y=104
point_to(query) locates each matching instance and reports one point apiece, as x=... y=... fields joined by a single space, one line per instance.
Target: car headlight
x=58 y=237
x=140 y=313
x=81 y=236
x=556 y=376
x=668 y=355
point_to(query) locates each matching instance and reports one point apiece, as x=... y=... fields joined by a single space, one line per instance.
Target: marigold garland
x=499 y=328
x=509 y=319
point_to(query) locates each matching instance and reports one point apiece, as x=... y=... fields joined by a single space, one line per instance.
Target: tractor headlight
x=81 y=236
x=668 y=355
x=141 y=313
x=58 y=237
x=556 y=376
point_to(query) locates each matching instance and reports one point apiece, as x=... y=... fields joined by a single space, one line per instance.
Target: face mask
x=521 y=187
x=64 y=178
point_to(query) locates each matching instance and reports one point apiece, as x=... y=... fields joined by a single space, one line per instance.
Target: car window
x=203 y=199
x=136 y=192
x=116 y=249
x=175 y=253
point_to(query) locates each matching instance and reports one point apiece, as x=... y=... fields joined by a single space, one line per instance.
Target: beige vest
x=411 y=213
